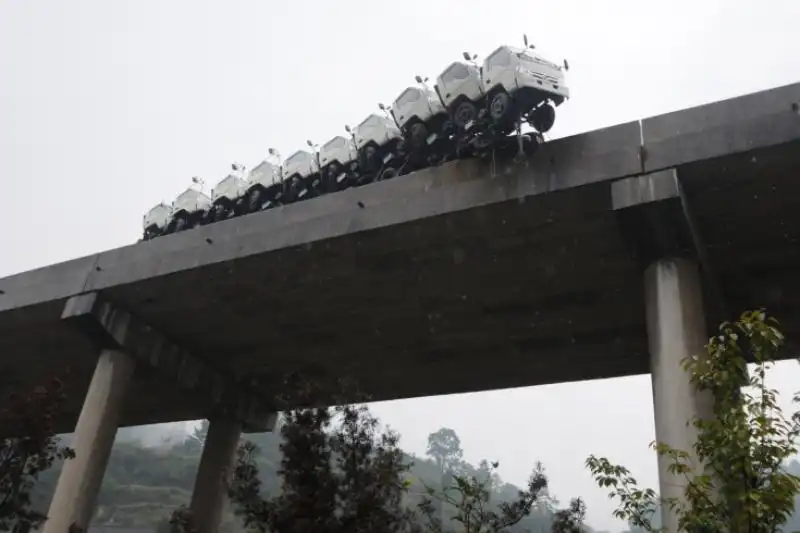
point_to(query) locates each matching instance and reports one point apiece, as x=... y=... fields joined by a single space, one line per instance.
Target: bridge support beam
x=124 y=342
x=80 y=480
x=676 y=329
x=216 y=464
x=655 y=218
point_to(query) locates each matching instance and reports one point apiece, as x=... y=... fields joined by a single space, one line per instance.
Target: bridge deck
x=459 y=278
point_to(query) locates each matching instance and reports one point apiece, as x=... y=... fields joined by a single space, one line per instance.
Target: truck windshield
x=334 y=144
x=262 y=171
x=298 y=157
x=408 y=96
x=370 y=121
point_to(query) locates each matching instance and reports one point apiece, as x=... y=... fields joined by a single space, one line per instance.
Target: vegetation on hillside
x=24 y=459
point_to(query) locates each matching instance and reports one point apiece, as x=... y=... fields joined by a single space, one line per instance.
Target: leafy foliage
x=570 y=520
x=444 y=447
x=741 y=484
x=476 y=513
x=24 y=458
x=335 y=478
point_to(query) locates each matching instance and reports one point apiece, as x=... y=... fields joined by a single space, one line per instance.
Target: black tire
x=333 y=172
x=387 y=174
x=217 y=213
x=543 y=118
x=530 y=145
x=367 y=156
x=464 y=113
x=181 y=224
x=253 y=199
x=418 y=134
x=500 y=106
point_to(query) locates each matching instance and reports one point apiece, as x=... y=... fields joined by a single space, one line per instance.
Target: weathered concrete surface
x=676 y=330
x=460 y=278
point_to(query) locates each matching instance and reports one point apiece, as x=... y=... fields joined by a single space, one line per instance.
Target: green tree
x=742 y=485
x=570 y=520
x=31 y=450
x=444 y=447
x=345 y=477
x=477 y=512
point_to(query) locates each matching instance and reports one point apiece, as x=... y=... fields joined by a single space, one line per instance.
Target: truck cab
x=155 y=221
x=226 y=194
x=337 y=162
x=419 y=114
x=460 y=89
x=520 y=84
x=263 y=188
x=188 y=210
x=299 y=171
x=378 y=141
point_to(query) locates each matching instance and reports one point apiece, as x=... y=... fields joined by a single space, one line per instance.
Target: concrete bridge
x=608 y=253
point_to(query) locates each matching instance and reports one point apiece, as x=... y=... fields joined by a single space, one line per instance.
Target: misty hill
x=143 y=484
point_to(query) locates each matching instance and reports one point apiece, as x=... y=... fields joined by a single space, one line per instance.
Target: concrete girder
x=656 y=220
x=112 y=328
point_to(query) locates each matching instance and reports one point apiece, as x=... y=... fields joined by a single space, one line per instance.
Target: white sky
x=107 y=107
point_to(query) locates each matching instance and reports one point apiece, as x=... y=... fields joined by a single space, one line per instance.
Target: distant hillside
x=143 y=484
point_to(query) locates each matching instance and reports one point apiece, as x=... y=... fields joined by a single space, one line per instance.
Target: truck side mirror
x=418 y=78
x=382 y=107
x=566 y=65
x=347 y=129
x=466 y=56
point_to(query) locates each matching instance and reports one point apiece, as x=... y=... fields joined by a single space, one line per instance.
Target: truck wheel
x=500 y=106
x=387 y=174
x=367 y=156
x=216 y=213
x=530 y=144
x=418 y=134
x=543 y=118
x=252 y=201
x=180 y=224
x=334 y=171
x=464 y=113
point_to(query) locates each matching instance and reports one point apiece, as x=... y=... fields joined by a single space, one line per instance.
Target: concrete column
x=217 y=460
x=676 y=329
x=76 y=492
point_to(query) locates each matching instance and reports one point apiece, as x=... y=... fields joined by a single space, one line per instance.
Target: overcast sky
x=107 y=107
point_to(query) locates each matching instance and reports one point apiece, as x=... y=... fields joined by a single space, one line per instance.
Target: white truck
x=226 y=194
x=300 y=171
x=420 y=115
x=379 y=143
x=338 y=162
x=460 y=90
x=513 y=85
x=155 y=221
x=263 y=188
x=189 y=209
x=522 y=86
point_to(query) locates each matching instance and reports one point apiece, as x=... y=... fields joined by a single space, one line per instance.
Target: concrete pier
x=216 y=463
x=81 y=478
x=676 y=329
